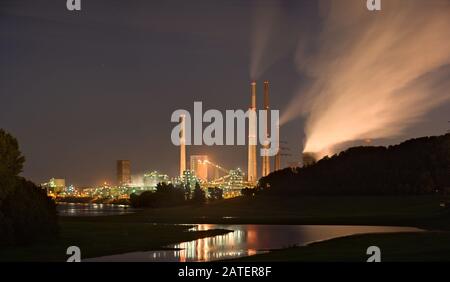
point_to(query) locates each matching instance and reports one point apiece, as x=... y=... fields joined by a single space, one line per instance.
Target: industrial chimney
x=252 y=174
x=182 y=145
x=266 y=159
x=277 y=162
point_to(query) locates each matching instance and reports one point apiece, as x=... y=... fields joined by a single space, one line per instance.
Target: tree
x=27 y=215
x=11 y=163
x=414 y=167
x=198 y=196
x=248 y=192
x=166 y=195
x=146 y=199
x=187 y=191
x=31 y=214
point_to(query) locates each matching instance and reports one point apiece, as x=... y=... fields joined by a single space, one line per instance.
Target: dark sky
x=82 y=89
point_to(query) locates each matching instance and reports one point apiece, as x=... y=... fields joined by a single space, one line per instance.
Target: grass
x=421 y=211
x=105 y=235
x=105 y=238
x=395 y=247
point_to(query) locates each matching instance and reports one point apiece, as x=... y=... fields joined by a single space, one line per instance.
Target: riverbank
x=107 y=235
x=416 y=211
x=431 y=246
x=105 y=238
x=91 y=200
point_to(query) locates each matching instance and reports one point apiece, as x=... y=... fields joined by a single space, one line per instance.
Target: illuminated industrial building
x=236 y=180
x=55 y=186
x=123 y=172
x=189 y=178
x=199 y=165
x=70 y=189
x=231 y=183
x=152 y=179
x=201 y=170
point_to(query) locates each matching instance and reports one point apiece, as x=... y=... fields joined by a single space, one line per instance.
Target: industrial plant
x=231 y=180
x=194 y=169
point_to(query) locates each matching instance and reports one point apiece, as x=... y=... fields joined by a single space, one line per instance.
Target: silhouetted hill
x=416 y=166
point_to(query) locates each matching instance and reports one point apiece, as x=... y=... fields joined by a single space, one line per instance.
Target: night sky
x=82 y=89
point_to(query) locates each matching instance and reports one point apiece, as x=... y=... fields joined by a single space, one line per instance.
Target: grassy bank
x=105 y=238
x=105 y=235
x=420 y=211
x=395 y=247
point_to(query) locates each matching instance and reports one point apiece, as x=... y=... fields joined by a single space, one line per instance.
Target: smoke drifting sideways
x=373 y=74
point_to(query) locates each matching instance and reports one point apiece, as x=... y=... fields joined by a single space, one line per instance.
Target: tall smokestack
x=266 y=159
x=252 y=174
x=277 y=162
x=182 y=146
x=266 y=95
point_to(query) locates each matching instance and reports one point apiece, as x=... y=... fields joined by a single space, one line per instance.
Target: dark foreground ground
x=153 y=229
x=395 y=247
x=105 y=238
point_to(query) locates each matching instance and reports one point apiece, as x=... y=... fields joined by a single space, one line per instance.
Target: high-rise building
x=123 y=172
x=251 y=170
x=199 y=165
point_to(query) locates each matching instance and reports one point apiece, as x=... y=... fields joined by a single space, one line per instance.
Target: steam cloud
x=373 y=73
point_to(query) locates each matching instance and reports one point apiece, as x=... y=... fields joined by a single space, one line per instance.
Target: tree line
x=27 y=215
x=414 y=167
x=169 y=195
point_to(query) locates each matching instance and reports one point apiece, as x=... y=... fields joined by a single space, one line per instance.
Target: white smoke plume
x=373 y=73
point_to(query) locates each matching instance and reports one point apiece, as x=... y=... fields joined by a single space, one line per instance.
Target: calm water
x=246 y=240
x=71 y=209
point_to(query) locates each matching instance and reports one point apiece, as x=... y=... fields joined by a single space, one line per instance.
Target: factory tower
x=182 y=145
x=266 y=159
x=251 y=173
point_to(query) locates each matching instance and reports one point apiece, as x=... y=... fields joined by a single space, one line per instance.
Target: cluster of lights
x=231 y=183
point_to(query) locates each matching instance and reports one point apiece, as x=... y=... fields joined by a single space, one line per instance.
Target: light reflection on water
x=246 y=240
x=214 y=248
x=90 y=209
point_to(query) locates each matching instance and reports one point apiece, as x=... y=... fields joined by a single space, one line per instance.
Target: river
x=89 y=209
x=246 y=240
